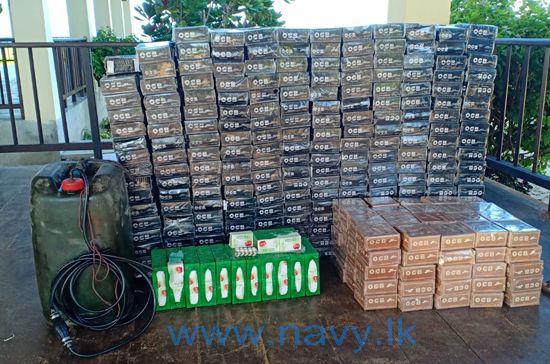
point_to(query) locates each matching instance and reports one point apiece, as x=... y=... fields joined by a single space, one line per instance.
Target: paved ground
x=459 y=335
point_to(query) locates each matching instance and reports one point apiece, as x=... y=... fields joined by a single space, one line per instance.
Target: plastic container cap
x=72 y=185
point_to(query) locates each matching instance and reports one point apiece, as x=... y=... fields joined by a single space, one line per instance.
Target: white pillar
x=419 y=11
x=127 y=16
x=80 y=22
x=102 y=14
x=117 y=18
x=40 y=31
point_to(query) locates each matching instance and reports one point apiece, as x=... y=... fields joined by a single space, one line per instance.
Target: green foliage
x=515 y=19
x=161 y=15
x=104 y=131
x=106 y=35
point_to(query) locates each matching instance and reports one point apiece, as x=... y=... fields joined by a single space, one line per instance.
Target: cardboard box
x=311 y=264
x=268 y=277
x=445 y=287
x=374 y=288
x=208 y=276
x=519 y=270
x=415 y=303
x=488 y=234
x=491 y=269
x=492 y=254
x=377 y=273
x=451 y=300
x=299 y=275
x=483 y=300
x=520 y=233
x=456 y=257
x=416 y=288
x=193 y=280
x=454 y=272
x=241 y=239
x=239 y=283
x=419 y=237
x=520 y=299
x=489 y=284
x=455 y=236
x=417 y=273
x=383 y=257
x=420 y=258
x=283 y=276
x=377 y=302
x=222 y=256
x=253 y=272
x=523 y=254
x=523 y=284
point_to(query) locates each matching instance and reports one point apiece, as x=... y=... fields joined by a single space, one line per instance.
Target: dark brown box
x=416 y=288
x=520 y=299
x=456 y=257
x=524 y=284
x=383 y=257
x=415 y=303
x=417 y=273
x=518 y=270
x=491 y=269
x=488 y=234
x=494 y=254
x=445 y=287
x=520 y=234
x=489 y=284
x=454 y=272
x=419 y=258
x=524 y=254
x=419 y=237
x=486 y=299
x=451 y=300
x=379 y=236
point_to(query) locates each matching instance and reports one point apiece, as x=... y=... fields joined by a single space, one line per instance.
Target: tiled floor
x=459 y=335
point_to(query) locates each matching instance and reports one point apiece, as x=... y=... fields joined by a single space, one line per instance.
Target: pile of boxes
x=453 y=253
x=211 y=275
x=200 y=114
x=131 y=145
x=279 y=122
x=162 y=107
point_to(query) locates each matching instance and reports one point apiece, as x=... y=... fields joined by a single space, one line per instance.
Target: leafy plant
x=104 y=131
x=515 y=19
x=106 y=35
x=161 y=15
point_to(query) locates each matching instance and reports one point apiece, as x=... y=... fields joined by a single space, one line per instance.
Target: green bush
x=106 y=35
x=515 y=19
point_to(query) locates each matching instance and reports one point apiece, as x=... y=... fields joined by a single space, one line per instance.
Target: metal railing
x=69 y=70
x=8 y=59
x=82 y=52
x=520 y=105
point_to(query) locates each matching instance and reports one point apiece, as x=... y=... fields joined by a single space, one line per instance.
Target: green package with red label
x=222 y=256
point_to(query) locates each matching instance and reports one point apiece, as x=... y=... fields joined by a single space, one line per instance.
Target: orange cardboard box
x=419 y=237
x=417 y=273
x=518 y=270
x=523 y=254
x=452 y=300
x=486 y=299
x=415 y=303
x=491 y=269
x=377 y=302
x=524 y=284
x=419 y=258
x=492 y=254
x=456 y=257
x=492 y=284
x=416 y=288
x=520 y=299
x=446 y=287
x=454 y=272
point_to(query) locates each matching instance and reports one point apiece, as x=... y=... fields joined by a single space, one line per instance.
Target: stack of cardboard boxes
x=131 y=145
x=453 y=254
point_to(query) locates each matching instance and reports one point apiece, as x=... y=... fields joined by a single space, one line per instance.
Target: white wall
x=58 y=14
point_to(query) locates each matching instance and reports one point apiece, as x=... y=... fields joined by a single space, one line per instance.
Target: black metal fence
x=509 y=120
x=10 y=96
x=74 y=73
x=520 y=112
